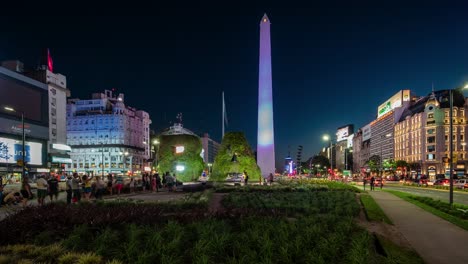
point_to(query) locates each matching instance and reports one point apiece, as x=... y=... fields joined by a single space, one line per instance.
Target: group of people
x=46 y=186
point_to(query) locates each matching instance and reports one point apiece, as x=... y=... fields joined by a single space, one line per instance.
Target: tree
x=189 y=158
x=401 y=164
x=235 y=156
x=374 y=163
x=318 y=162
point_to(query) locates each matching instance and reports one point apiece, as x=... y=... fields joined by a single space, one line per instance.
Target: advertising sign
x=392 y=103
x=11 y=151
x=350 y=141
x=366 y=132
x=14 y=127
x=343 y=133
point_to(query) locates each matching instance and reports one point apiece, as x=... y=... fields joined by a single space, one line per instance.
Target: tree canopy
x=235 y=156
x=189 y=158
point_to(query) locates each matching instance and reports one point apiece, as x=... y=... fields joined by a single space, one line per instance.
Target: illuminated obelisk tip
x=265 y=135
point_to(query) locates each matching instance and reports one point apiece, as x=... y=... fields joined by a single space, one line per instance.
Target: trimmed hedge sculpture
x=190 y=158
x=235 y=143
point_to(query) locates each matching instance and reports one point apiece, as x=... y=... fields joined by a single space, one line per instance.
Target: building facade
x=107 y=136
x=20 y=96
x=422 y=135
x=210 y=148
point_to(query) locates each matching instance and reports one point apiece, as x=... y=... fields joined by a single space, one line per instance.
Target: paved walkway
x=435 y=240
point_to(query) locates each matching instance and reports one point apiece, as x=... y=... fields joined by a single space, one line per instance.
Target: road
x=437 y=194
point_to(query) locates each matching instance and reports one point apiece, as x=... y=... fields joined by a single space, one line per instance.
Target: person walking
x=68 y=189
x=364 y=182
x=118 y=184
x=100 y=188
x=76 y=187
x=41 y=189
x=132 y=185
x=246 y=178
x=270 y=179
x=372 y=183
x=110 y=184
x=26 y=191
x=53 y=188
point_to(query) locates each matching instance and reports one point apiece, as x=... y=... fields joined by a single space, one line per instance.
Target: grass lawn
x=373 y=210
x=463 y=223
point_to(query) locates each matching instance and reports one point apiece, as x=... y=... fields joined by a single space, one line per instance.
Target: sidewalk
x=435 y=240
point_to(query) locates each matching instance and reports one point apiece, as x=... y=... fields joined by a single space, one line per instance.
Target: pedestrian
x=68 y=188
x=109 y=184
x=76 y=187
x=270 y=179
x=132 y=185
x=26 y=191
x=158 y=182
x=100 y=188
x=87 y=186
x=246 y=178
x=153 y=183
x=119 y=184
x=372 y=183
x=364 y=182
x=42 y=185
x=53 y=188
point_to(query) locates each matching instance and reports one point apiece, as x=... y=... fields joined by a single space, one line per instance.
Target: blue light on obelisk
x=265 y=134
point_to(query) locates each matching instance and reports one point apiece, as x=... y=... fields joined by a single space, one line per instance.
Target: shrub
x=68 y=258
x=89 y=258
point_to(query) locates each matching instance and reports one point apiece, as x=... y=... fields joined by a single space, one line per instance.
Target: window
x=430 y=131
x=430 y=156
x=431 y=148
x=431 y=139
x=462 y=137
x=446 y=137
x=431 y=115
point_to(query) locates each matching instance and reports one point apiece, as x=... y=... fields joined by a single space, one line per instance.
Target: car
x=234 y=177
x=460 y=184
x=442 y=182
x=379 y=183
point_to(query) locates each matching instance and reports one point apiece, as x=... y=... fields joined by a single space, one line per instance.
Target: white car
x=460 y=184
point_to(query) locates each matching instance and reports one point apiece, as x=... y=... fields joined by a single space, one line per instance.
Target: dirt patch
x=390 y=232
x=215 y=205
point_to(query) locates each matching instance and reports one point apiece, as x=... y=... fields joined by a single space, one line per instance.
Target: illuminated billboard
x=344 y=132
x=11 y=151
x=394 y=102
x=366 y=132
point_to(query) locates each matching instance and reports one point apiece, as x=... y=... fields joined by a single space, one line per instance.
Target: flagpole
x=222 y=118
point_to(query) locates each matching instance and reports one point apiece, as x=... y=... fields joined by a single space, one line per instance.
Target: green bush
x=190 y=158
x=235 y=143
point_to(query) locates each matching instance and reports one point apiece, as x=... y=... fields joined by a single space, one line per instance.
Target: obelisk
x=265 y=134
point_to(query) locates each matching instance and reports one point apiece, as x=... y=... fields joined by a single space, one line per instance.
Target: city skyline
x=348 y=59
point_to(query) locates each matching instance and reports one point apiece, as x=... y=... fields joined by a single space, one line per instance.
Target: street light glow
x=326 y=137
x=155 y=142
x=126 y=153
x=9 y=109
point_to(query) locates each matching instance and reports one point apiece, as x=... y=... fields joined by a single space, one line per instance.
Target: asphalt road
x=443 y=195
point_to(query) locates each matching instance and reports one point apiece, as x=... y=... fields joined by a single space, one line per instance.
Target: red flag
x=50 y=63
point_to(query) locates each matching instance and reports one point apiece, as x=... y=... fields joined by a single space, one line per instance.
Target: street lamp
x=156 y=142
x=381 y=158
x=23 y=152
x=451 y=143
x=328 y=138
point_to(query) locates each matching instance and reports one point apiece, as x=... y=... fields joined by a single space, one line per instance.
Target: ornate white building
x=106 y=136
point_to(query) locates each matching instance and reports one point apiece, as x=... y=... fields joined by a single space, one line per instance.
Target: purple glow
x=265 y=136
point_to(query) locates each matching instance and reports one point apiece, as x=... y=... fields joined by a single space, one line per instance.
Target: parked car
x=460 y=184
x=378 y=182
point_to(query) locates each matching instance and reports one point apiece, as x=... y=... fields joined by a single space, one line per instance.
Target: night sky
x=332 y=65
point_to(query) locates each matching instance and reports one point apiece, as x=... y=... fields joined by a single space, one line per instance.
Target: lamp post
x=328 y=138
x=156 y=143
x=23 y=138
